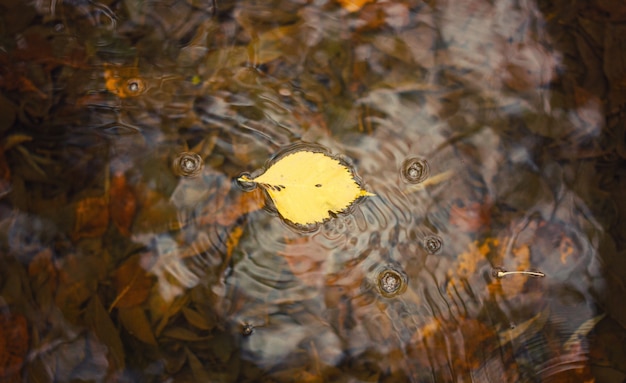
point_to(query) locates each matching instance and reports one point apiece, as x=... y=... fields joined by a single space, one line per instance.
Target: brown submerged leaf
x=183 y=334
x=122 y=204
x=44 y=279
x=197 y=320
x=14 y=344
x=162 y=310
x=353 y=5
x=132 y=283
x=92 y=217
x=518 y=260
x=78 y=281
x=243 y=204
x=136 y=322
x=197 y=368
x=472 y=218
x=124 y=81
x=100 y=321
x=5 y=175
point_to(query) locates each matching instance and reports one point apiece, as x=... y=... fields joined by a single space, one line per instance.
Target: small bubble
x=135 y=86
x=187 y=164
x=247 y=329
x=433 y=244
x=391 y=283
x=415 y=170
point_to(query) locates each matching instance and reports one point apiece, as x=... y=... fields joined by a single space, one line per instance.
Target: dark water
x=491 y=132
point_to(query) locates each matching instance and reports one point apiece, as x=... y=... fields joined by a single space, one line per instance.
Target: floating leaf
x=307 y=187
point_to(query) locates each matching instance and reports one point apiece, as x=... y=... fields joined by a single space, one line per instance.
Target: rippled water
x=490 y=132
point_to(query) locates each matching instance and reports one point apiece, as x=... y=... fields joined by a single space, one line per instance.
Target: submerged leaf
x=13 y=345
x=135 y=321
x=529 y=327
x=583 y=330
x=353 y=5
x=197 y=368
x=307 y=187
x=133 y=284
x=92 y=217
x=197 y=320
x=99 y=320
x=122 y=204
x=123 y=81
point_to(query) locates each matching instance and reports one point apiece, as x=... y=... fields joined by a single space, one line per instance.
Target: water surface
x=491 y=133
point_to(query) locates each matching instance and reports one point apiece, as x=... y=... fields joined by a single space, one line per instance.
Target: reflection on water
x=491 y=134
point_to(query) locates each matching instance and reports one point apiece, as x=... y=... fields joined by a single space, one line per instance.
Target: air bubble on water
x=135 y=86
x=247 y=329
x=391 y=283
x=187 y=164
x=433 y=244
x=415 y=170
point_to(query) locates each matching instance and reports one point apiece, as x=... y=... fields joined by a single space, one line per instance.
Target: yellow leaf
x=307 y=187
